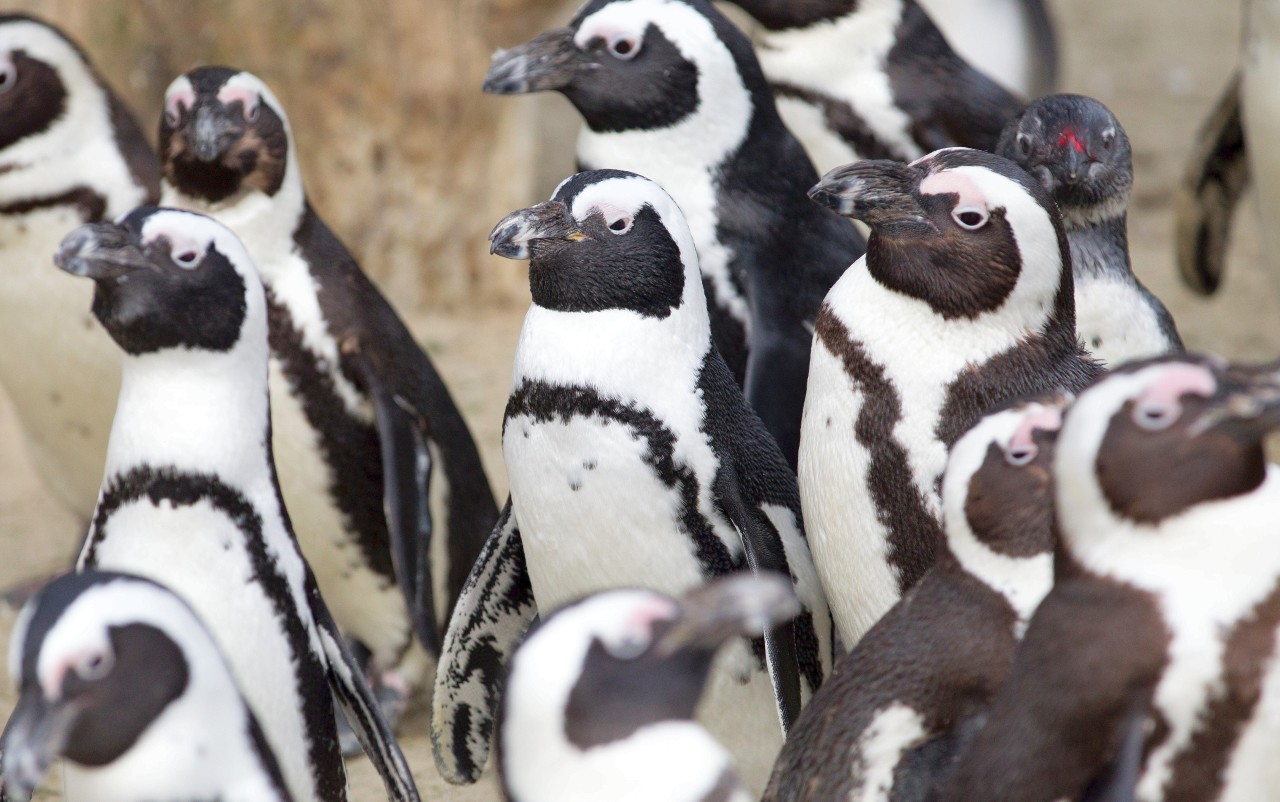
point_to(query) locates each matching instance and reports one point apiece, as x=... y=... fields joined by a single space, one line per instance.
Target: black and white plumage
x=70 y=153
x=873 y=79
x=963 y=302
x=894 y=712
x=671 y=90
x=1013 y=41
x=634 y=462
x=190 y=497
x=601 y=697
x=1076 y=148
x=379 y=471
x=120 y=677
x=1149 y=671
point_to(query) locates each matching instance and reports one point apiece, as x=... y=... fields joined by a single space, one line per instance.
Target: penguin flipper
x=495 y=608
x=1118 y=782
x=406 y=477
x=1217 y=175
x=358 y=703
x=777 y=372
x=763 y=548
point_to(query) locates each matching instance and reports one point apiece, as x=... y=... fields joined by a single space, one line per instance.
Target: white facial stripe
x=249 y=89
x=39 y=43
x=625 y=19
x=632 y=194
x=952 y=182
x=180 y=94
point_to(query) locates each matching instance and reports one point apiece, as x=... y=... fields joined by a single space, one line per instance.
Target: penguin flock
x=848 y=459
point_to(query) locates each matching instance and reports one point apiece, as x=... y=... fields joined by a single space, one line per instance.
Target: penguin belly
x=848 y=541
x=200 y=554
x=1116 y=322
x=595 y=514
x=366 y=604
x=60 y=368
x=992 y=35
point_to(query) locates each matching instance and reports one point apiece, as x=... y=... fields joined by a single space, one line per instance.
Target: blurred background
x=411 y=165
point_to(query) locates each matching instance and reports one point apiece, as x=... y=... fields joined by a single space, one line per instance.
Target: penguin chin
x=212 y=182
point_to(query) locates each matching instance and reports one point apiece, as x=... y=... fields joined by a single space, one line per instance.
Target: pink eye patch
x=950 y=182
x=1046 y=420
x=1176 y=381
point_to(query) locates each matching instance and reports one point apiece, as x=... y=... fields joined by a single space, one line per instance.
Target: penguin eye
x=970 y=218
x=624 y=47
x=94 y=666
x=621 y=226
x=186 y=259
x=8 y=77
x=1023 y=144
x=1156 y=416
x=629 y=646
x=1021 y=454
x=1108 y=138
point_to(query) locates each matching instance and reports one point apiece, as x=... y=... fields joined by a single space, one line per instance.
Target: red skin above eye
x=1069 y=136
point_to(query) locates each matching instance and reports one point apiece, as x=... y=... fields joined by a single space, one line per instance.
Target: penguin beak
x=35 y=735
x=211 y=131
x=99 y=251
x=741 y=604
x=515 y=234
x=877 y=192
x=550 y=60
x=1248 y=401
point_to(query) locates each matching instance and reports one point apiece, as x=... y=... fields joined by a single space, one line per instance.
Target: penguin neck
x=196 y=411
x=264 y=223
x=616 y=351
x=1099 y=247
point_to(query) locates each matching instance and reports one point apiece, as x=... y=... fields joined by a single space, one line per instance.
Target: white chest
x=200 y=554
x=1116 y=322
x=843 y=60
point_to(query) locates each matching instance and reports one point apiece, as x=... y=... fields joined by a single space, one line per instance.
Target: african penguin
x=118 y=675
x=873 y=79
x=1075 y=147
x=190 y=497
x=1013 y=41
x=1222 y=162
x=963 y=302
x=379 y=472
x=895 y=710
x=69 y=153
x=1150 y=669
x=634 y=462
x=671 y=90
x=601 y=697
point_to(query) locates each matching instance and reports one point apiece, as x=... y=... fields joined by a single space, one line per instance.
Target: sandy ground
x=1157 y=65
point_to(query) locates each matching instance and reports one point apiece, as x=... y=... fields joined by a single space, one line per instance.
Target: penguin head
x=997 y=497
x=1152 y=440
x=966 y=232
x=48 y=91
x=97 y=658
x=1074 y=146
x=168 y=279
x=601 y=670
x=607 y=240
x=223 y=136
x=781 y=15
x=635 y=64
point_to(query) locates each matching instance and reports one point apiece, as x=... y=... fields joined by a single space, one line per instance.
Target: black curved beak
x=550 y=60
x=211 y=130
x=35 y=735
x=515 y=234
x=741 y=604
x=878 y=192
x=100 y=251
x=1248 y=400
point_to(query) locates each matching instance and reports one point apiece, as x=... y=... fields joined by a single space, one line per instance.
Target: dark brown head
x=964 y=231
x=223 y=135
x=1155 y=439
